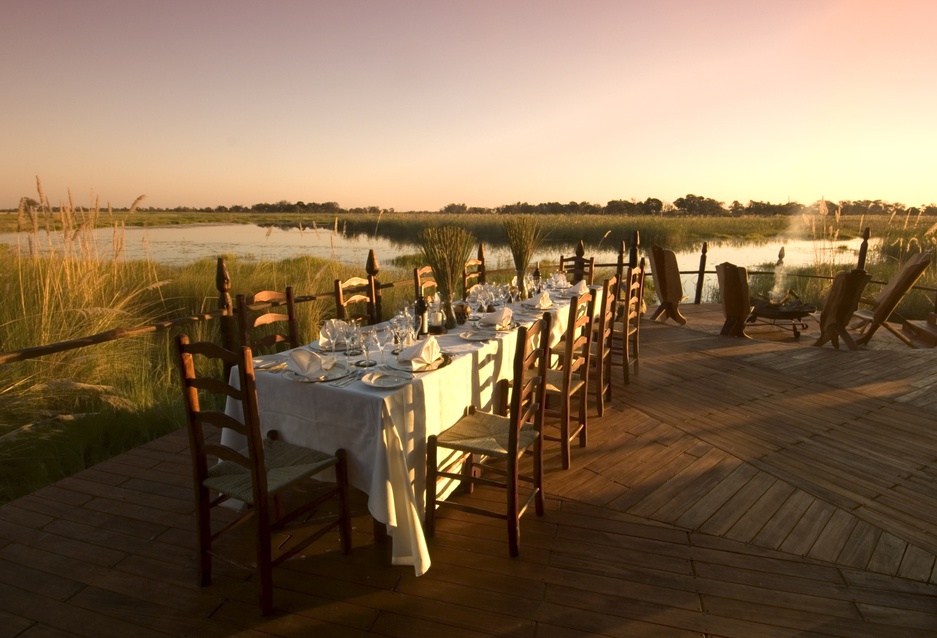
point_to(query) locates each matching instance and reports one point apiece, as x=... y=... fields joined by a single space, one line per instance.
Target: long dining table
x=384 y=430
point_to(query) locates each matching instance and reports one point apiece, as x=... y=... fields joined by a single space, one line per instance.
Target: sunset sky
x=413 y=105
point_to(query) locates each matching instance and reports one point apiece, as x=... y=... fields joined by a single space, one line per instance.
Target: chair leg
x=599 y=389
x=429 y=516
x=583 y=417
x=203 y=536
x=341 y=475
x=513 y=521
x=264 y=560
x=564 y=432
x=538 y=474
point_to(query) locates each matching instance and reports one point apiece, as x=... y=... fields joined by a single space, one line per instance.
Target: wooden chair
x=281 y=328
x=502 y=440
x=355 y=292
x=736 y=300
x=473 y=272
x=424 y=282
x=571 y=378
x=255 y=475
x=841 y=302
x=602 y=343
x=884 y=304
x=582 y=268
x=626 y=337
x=667 y=284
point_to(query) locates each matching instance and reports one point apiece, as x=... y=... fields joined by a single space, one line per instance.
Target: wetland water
x=177 y=245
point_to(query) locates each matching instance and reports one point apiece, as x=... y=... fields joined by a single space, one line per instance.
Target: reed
x=524 y=236
x=446 y=249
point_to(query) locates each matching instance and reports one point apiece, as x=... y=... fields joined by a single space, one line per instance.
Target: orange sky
x=416 y=104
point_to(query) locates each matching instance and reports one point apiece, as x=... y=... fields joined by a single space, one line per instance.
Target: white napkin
x=541 y=300
x=332 y=333
x=501 y=317
x=309 y=364
x=559 y=281
x=579 y=288
x=421 y=354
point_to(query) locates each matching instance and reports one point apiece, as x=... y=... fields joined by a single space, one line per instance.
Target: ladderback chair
x=581 y=268
x=604 y=322
x=258 y=473
x=264 y=329
x=666 y=276
x=473 y=272
x=501 y=440
x=424 y=282
x=883 y=306
x=626 y=337
x=736 y=300
x=571 y=378
x=362 y=296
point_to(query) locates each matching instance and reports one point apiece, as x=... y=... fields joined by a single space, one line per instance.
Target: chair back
x=473 y=272
x=360 y=293
x=666 y=275
x=531 y=360
x=582 y=268
x=843 y=298
x=268 y=330
x=898 y=286
x=424 y=282
x=606 y=320
x=204 y=396
x=578 y=340
x=736 y=302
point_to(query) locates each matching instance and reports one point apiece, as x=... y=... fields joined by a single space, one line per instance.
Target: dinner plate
x=339 y=347
x=473 y=335
x=491 y=328
x=532 y=306
x=388 y=379
x=335 y=373
x=404 y=366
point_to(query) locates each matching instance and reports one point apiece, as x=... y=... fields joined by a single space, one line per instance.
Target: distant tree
x=699 y=206
x=454 y=209
x=653 y=206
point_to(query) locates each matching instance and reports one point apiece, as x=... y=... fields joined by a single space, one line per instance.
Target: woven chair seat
x=485 y=433
x=286 y=465
x=555 y=382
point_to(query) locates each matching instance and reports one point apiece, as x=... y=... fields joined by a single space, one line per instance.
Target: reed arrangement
x=446 y=249
x=524 y=235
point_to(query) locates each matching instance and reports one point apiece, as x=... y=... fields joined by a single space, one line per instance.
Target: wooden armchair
x=626 y=336
x=362 y=295
x=501 y=439
x=256 y=475
x=667 y=284
x=736 y=300
x=841 y=302
x=884 y=304
x=602 y=343
x=265 y=329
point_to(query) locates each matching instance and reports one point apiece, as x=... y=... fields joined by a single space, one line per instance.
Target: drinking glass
x=369 y=341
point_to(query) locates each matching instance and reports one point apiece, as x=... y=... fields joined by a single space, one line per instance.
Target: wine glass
x=369 y=341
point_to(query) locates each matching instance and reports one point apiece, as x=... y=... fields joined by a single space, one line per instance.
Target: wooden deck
x=736 y=488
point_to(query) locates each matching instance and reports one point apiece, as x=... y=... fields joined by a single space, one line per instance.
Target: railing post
x=635 y=247
x=579 y=271
x=484 y=266
x=372 y=268
x=229 y=337
x=864 y=248
x=702 y=272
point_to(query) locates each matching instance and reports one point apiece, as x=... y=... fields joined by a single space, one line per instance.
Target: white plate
x=389 y=379
x=492 y=328
x=471 y=335
x=339 y=347
x=531 y=306
x=329 y=375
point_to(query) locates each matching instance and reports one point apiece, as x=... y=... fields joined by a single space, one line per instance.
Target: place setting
x=305 y=366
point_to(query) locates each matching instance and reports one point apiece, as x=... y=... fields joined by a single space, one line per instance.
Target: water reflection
x=177 y=245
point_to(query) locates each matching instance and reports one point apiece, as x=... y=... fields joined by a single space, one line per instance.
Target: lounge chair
x=736 y=302
x=666 y=276
x=868 y=320
x=841 y=303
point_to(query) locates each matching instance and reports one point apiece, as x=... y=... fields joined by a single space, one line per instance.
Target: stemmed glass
x=352 y=339
x=369 y=340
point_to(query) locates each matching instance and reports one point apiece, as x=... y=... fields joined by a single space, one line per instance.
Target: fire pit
x=787 y=313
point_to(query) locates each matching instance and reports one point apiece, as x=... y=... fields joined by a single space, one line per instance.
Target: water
x=177 y=245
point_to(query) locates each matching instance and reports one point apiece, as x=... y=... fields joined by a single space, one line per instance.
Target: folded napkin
x=309 y=364
x=498 y=318
x=421 y=354
x=541 y=300
x=332 y=333
x=579 y=288
x=559 y=281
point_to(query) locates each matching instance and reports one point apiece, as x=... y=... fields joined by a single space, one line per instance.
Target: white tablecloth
x=384 y=431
